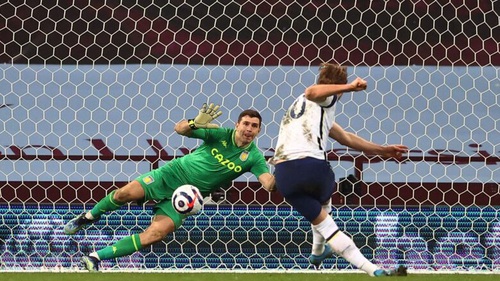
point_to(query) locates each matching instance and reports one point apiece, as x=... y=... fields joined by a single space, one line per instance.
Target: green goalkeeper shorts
x=157 y=189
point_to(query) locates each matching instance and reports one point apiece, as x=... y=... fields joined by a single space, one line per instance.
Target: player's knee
x=131 y=192
x=121 y=196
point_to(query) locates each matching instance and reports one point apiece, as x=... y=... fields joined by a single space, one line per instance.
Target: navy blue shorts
x=306 y=184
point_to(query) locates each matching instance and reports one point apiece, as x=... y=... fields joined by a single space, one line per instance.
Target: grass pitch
x=105 y=276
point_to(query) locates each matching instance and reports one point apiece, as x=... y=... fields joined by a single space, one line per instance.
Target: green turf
x=106 y=276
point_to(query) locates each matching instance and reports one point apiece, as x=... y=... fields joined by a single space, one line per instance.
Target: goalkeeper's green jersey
x=218 y=161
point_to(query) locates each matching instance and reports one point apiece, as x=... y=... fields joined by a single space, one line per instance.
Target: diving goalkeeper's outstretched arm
x=204 y=119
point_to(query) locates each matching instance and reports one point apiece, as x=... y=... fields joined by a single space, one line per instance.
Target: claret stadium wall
x=90 y=93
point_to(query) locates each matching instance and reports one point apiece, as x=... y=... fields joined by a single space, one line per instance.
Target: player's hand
x=358 y=84
x=218 y=195
x=395 y=151
x=206 y=115
x=271 y=188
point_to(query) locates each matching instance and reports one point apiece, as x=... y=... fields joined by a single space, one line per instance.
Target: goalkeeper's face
x=246 y=130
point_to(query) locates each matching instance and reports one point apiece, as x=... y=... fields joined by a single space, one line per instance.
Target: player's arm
x=182 y=128
x=203 y=120
x=358 y=143
x=268 y=182
x=319 y=92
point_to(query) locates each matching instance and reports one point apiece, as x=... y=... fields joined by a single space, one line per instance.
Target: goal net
x=90 y=94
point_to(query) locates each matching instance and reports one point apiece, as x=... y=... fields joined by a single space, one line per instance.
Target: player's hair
x=332 y=74
x=250 y=113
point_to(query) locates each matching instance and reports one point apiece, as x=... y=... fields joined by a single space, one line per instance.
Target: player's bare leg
x=133 y=191
x=160 y=227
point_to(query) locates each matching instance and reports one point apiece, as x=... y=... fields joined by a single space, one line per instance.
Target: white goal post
x=90 y=93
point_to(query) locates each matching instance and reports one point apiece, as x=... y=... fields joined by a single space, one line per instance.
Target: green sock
x=123 y=247
x=105 y=205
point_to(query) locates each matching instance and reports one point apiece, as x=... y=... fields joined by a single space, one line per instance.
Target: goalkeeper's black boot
x=90 y=263
x=77 y=223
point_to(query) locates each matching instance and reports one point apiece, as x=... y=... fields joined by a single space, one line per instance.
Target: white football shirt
x=304 y=129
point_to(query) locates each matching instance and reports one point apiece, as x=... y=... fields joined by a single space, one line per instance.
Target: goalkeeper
x=226 y=153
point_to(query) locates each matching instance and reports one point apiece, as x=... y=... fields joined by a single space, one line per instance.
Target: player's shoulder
x=224 y=132
x=255 y=150
x=218 y=132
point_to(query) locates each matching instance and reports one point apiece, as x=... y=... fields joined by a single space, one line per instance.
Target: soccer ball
x=187 y=199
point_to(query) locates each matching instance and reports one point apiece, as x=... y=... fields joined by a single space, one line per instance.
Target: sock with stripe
x=343 y=245
x=123 y=247
x=318 y=241
x=106 y=204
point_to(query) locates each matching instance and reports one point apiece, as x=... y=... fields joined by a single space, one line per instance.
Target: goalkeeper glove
x=205 y=116
x=218 y=195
